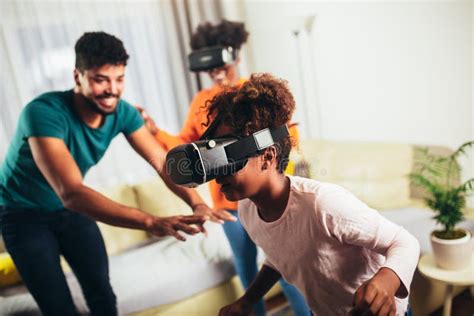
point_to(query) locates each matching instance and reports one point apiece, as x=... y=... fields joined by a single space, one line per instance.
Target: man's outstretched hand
x=215 y=215
x=170 y=226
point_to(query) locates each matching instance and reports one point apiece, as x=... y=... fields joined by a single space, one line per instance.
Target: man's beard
x=94 y=107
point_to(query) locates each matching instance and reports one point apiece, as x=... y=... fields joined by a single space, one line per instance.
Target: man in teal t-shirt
x=46 y=210
x=51 y=115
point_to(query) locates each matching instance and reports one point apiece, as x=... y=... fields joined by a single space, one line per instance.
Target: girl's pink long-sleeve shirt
x=328 y=242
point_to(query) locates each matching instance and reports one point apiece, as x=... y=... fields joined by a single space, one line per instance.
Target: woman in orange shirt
x=225 y=34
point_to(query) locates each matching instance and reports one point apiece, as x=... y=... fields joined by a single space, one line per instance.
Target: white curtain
x=37 y=55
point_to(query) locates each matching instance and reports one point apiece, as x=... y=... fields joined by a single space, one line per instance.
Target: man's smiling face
x=102 y=86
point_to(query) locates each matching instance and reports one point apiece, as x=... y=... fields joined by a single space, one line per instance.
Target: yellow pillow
x=8 y=273
x=290 y=168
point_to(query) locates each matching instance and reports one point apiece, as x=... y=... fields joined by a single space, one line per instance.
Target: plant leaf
x=439 y=175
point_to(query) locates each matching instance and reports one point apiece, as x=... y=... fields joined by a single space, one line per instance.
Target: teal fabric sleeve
x=42 y=120
x=131 y=118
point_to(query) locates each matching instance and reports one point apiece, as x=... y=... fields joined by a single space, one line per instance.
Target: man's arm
x=264 y=281
x=145 y=145
x=62 y=173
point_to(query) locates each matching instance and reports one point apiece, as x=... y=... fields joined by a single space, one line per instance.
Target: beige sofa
x=376 y=172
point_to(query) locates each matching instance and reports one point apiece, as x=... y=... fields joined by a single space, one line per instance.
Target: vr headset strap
x=210 y=130
x=252 y=144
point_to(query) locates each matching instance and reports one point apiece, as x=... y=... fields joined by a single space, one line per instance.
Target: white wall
x=470 y=170
x=397 y=72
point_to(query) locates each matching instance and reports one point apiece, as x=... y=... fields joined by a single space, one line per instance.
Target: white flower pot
x=452 y=254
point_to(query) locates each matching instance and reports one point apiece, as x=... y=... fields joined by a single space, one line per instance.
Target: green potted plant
x=439 y=177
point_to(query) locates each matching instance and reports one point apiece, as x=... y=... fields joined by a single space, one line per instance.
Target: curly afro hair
x=261 y=102
x=226 y=33
x=95 y=49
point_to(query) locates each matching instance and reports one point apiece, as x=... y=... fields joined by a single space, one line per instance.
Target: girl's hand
x=238 y=308
x=377 y=295
x=149 y=122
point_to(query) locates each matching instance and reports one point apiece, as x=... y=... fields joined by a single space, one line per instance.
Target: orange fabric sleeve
x=192 y=130
x=168 y=141
x=192 y=127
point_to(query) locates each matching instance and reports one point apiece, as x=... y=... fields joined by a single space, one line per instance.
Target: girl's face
x=246 y=182
x=225 y=75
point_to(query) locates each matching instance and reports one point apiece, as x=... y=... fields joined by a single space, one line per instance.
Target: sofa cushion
x=118 y=239
x=161 y=272
x=165 y=271
x=375 y=172
x=154 y=197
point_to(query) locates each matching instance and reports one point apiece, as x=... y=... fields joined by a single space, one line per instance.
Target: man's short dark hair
x=95 y=49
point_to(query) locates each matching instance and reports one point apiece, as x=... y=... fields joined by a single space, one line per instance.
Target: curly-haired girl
x=341 y=254
x=229 y=34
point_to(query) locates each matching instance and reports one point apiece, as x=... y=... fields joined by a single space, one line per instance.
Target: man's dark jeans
x=36 y=238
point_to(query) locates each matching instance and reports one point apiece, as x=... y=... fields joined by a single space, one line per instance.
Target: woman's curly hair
x=263 y=101
x=225 y=33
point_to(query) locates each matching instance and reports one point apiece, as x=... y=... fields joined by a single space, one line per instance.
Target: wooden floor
x=463 y=305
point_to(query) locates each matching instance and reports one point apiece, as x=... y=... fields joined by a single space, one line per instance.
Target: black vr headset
x=208 y=58
x=199 y=162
